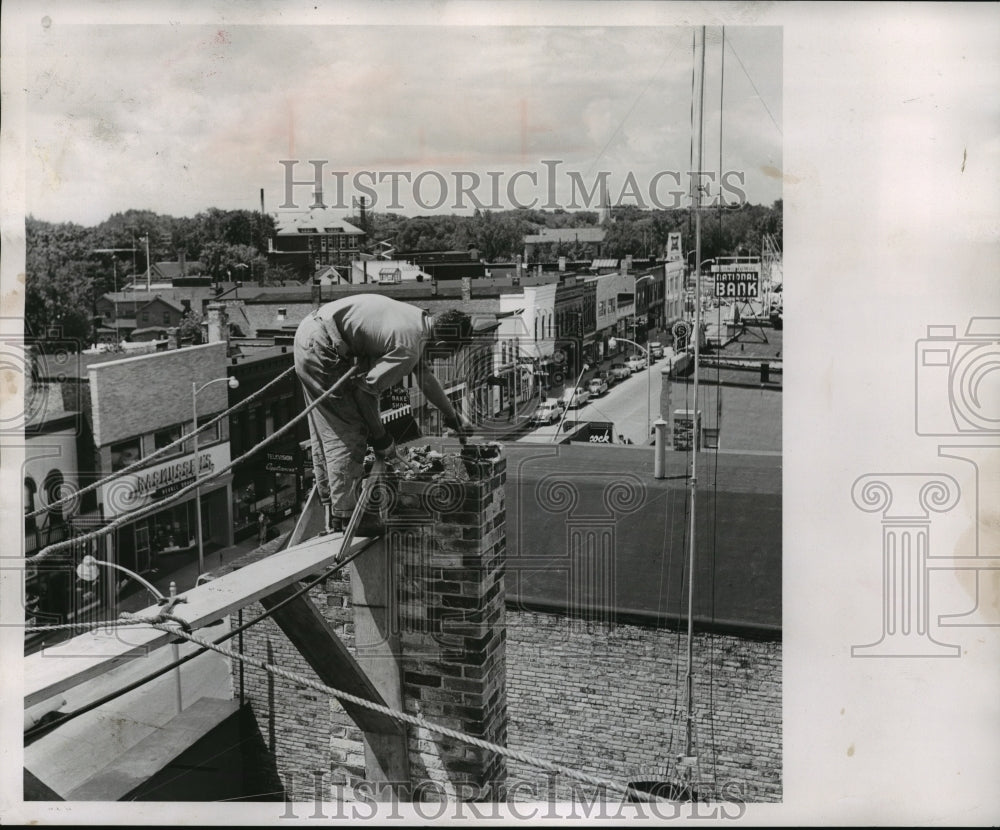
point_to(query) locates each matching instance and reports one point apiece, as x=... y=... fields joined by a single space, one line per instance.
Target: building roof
x=166 y=301
x=319 y=220
x=195 y=293
x=383 y=267
x=565 y=235
x=738 y=566
x=170 y=270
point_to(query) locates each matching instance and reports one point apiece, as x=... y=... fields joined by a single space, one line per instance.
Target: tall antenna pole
x=700 y=103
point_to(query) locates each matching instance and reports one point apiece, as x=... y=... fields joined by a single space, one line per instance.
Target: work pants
x=337 y=430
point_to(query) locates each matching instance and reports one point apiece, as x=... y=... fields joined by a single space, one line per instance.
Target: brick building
x=590 y=642
x=308 y=241
x=142 y=404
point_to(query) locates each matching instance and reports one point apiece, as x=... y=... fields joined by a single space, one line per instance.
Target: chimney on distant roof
x=562 y=263
x=218 y=323
x=181 y=257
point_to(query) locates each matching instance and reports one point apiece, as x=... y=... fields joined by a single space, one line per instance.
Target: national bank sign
x=139 y=489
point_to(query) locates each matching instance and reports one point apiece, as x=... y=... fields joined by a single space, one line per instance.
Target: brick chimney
x=217 y=322
x=422 y=611
x=448 y=544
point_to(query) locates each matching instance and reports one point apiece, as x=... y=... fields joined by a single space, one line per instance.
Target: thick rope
x=404 y=717
x=142 y=462
x=32 y=629
x=142 y=512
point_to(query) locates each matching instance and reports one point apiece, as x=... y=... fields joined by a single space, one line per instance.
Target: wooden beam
x=315 y=639
x=376 y=641
x=68 y=664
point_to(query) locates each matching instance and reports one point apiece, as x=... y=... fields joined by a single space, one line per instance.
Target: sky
x=176 y=118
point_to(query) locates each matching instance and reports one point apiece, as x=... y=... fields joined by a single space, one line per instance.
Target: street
x=749 y=420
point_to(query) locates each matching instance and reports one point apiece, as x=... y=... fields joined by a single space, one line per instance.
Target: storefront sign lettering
x=177 y=473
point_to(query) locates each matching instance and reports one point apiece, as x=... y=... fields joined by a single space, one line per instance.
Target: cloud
x=175 y=118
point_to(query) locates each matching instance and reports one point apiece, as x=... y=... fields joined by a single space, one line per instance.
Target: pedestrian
x=387 y=340
x=261 y=528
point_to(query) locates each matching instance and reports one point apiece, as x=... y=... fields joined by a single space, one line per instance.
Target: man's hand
x=461 y=425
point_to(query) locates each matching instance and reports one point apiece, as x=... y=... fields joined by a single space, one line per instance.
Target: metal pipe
x=700 y=99
x=660 y=453
x=197 y=478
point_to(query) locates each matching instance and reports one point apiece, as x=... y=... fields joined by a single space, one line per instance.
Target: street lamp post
x=195 y=389
x=562 y=420
x=614 y=342
x=89 y=569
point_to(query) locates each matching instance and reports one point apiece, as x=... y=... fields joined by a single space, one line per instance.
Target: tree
x=59 y=280
x=190 y=328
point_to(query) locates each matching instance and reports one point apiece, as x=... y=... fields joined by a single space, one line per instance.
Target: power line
x=757 y=91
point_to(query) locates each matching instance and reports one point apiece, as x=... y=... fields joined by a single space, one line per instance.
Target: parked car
x=597 y=386
x=636 y=363
x=620 y=371
x=575 y=397
x=656 y=350
x=548 y=412
x=608 y=378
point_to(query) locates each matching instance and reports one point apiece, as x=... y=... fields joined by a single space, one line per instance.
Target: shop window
x=208 y=435
x=53 y=491
x=30 y=523
x=238 y=434
x=165 y=437
x=125 y=453
x=30 y=491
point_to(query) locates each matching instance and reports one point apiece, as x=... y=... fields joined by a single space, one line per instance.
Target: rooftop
x=319 y=220
x=565 y=235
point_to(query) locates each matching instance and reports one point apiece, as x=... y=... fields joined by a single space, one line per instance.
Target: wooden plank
x=54 y=670
x=377 y=646
x=136 y=766
x=326 y=654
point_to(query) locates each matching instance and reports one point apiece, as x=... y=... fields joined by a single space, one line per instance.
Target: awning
x=393 y=414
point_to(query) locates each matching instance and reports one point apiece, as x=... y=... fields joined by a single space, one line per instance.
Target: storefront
x=272 y=486
x=167 y=539
x=396 y=413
